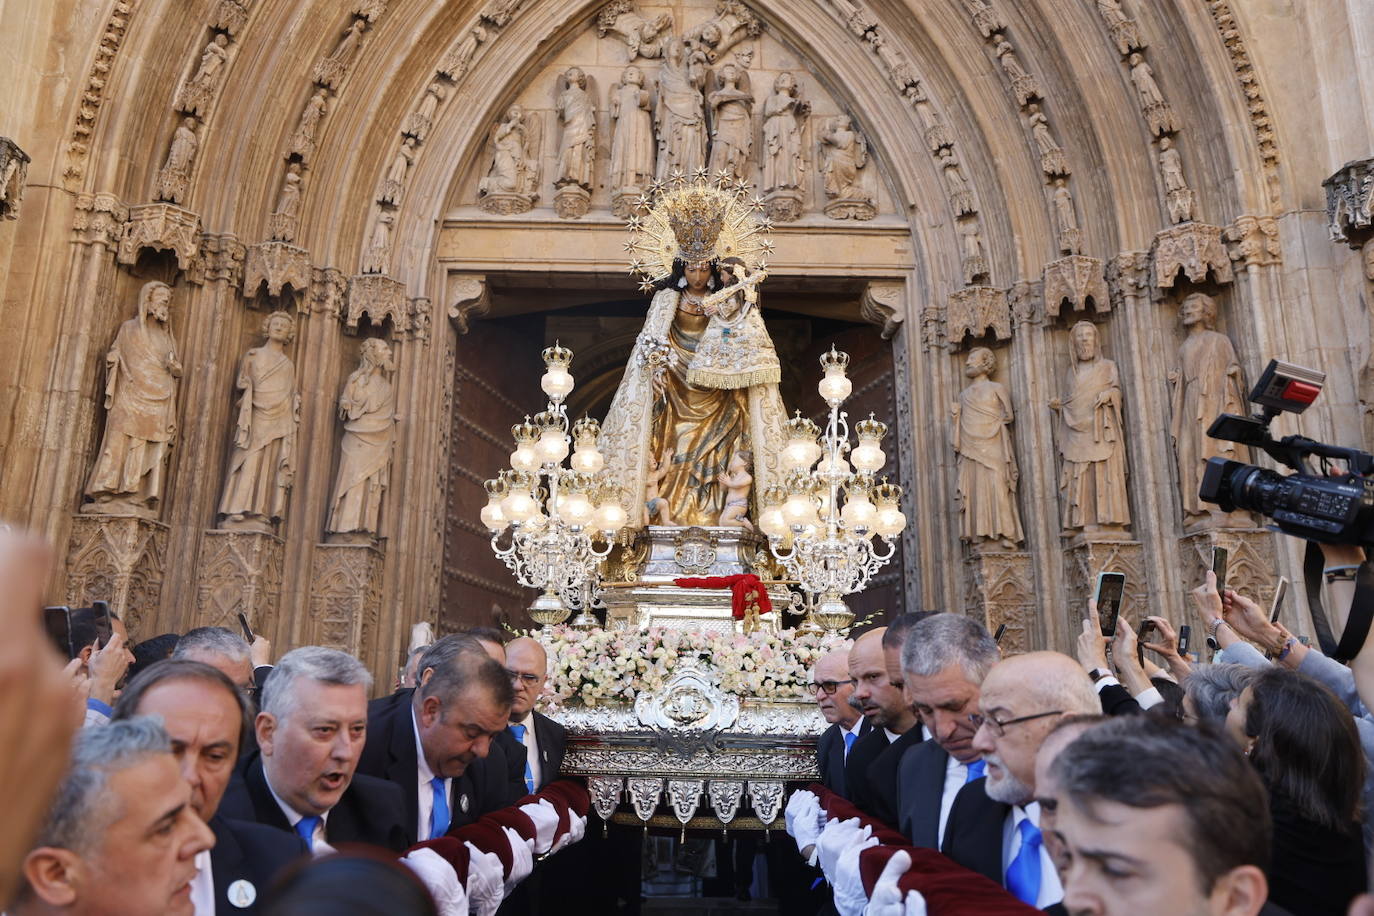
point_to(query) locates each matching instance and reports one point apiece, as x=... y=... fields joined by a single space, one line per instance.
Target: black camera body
x=1332 y=509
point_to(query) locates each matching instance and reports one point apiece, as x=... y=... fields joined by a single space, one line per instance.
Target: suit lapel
x=836 y=753
x=929 y=786
x=227 y=864
x=265 y=807
x=403 y=764
x=550 y=749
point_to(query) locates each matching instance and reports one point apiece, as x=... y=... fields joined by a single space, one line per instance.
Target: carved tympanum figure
x=632 y=144
x=368 y=410
x=732 y=133
x=262 y=465
x=1092 y=483
x=303 y=138
x=680 y=116
x=514 y=168
x=987 y=470
x=845 y=153
x=140 y=399
x=782 y=145
x=1207 y=383
x=288 y=209
x=577 y=149
x=196 y=93
x=176 y=171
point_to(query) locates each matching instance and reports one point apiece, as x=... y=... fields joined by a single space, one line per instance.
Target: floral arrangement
x=598 y=666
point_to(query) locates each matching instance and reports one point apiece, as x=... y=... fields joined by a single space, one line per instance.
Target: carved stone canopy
x=1075 y=281
x=1194 y=249
x=378 y=297
x=278 y=265
x=1350 y=202
x=14 y=167
x=977 y=311
x=160 y=227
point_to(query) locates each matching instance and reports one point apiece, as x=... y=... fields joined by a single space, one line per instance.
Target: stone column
x=239 y=572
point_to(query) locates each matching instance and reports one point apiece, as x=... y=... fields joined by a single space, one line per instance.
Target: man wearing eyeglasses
x=994 y=824
x=831 y=688
x=542 y=738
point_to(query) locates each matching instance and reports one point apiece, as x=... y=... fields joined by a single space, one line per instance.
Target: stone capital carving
x=1128 y=277
x=977 y=311
x=999 y=588
x=420 y=319
x=279 y=266
x=1350 y=202
x=932 y=326
x=1250 y=566
x=328 y=291
x=1255 y=241
x=1194 y=249
x=119 y=559
x=99 y=219
x=1085 y=557
x=239 y=572
x=467 y=296
x=345 y=595
x=1026 y=298
x=884 y=305
x=160 y=227
x=230 y=16
x=378 y=297
x=1075 y=281
x=220 y=259
x=14 y=170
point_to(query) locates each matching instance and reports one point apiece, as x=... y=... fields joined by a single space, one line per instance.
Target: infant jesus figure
x=737 y=482
x=735 y=349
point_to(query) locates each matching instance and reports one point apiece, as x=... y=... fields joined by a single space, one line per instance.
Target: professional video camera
x=1331 y=508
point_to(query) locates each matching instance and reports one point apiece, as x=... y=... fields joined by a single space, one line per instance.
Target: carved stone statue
x=140 y=423
x=577 y=149
x=393 y=185
x=377 y=257
x=960 y=196
x=986 y=458
x=1180 y=196
x=783 y=113
x=642 y=37
x=262 y=465
x=1022 y=83
x=303 y=138
x=1065 y=218
x=367 y=407
x=196 y=94
x=1207 y=383
x=632 y=143
x=1052 y=158
x=680 y=118
x=975 y=262
x=1122 y=27
x=419 y=121
x=1157 y=112
x=732 y=132
x=287 y=213
x=175 y=175
x=844 y=153
x=456 y=62
x=331 y=70
x=511 y=186
x=1092 y=483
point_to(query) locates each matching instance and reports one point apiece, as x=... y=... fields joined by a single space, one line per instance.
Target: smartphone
x=57 y=624
x=1184 y=632
x=1147 y=628
x=247 y=630
x=104 y=625
x=1111 y=586
x=1220 y=557
x=1280 y=592
x=1001 y=631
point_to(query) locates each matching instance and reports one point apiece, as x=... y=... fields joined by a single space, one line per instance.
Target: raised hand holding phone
x=1111 y=586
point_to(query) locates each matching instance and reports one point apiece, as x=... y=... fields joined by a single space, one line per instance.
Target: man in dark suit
x=206 y=718
x=883 y=771
x=994 y=823
x=311 y=732
x=542 y=739
x=944 y=662
x=831 y=688
x=886 y=709
x=423 y=741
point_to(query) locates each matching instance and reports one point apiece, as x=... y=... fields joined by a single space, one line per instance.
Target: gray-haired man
x=121 y=838
x=225 y=650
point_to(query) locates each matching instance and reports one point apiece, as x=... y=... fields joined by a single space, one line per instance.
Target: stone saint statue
x=176 y=171
x=1092 y=483
x=196 y=93
x=680 y=117
x=514 y=173
x=845 y=153
x=782 y=144
x=732 y=133
x=1207 y=383
x=368 y=410
x=140 y=399
x=632 y=144
x=303 y=139
x=577 y=150
x=986 y=460
x=262 y=466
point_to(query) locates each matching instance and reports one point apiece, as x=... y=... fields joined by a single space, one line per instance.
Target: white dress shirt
x=424 y=776
x=956 y=774
x=318 y=845
x=203 y=886
x=531 y=742
x=1051 y=891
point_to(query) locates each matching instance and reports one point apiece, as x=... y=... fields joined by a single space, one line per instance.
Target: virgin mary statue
x=671 y=432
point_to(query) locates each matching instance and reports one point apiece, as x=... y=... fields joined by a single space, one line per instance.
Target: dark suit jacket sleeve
x=920 y=792
x=973 y=833
x=370 y=811
x=553 y=741
x=882 y=776
x=250 y=852
x=1117 y=701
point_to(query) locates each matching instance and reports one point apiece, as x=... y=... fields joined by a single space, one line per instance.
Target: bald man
x=881 y=701
x=542 y=738
x=994 y=824
x=831 y=689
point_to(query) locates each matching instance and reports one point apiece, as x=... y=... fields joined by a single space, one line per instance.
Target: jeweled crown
x=696 y=217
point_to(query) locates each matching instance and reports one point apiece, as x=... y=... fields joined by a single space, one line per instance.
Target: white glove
x=848 y=882
x=834 y=839
x=577 y=828
x=522 y=858
x=804 y=819
x=439 y=878
x=485 y=882
x=545 y=817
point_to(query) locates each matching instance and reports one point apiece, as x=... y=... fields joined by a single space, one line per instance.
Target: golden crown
x=872 y=428
x=696 y=217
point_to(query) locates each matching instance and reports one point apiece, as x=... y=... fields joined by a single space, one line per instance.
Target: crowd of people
x=207 y=777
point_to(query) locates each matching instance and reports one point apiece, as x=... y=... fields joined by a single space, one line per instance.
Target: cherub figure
x=655 y=504
x=737 y=482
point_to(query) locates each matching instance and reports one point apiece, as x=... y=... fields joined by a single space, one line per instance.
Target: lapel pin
x=242 y=893
x=463 y=802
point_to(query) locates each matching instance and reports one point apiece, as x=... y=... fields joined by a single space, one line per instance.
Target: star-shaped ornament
x=757 y=203
x=676 y=179
x=700 y=174
x=637 y=266
x=657 y=187
x=723 y=177
x=644 y=203
x=765 y=224
x=767 y=246
x=741 y=186
x=646 y=286
x=635 y=223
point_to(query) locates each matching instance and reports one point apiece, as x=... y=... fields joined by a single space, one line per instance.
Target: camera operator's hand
x=261 y=651
x=1342 y=554
x=1092 y=645
x=1166 y=646
x=1127 y=662
x=107 y=666
x=1208 y=601
x=1247 y=619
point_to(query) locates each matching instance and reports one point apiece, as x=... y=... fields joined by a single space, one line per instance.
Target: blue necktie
x=1023 y=877
x=975 y=771
x=849 y=739
x=519 y=732
x=438 y=815
x=305 y=829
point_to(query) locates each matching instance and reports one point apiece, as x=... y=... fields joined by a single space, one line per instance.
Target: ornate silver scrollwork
x=695 y=551
x=765 y=797
x=644 y=795
x=689 y=701
x=606 y=791
x=685 y=796
x=726 y=794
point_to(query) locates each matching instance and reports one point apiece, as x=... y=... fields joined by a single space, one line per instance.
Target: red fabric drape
x=743 y=589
